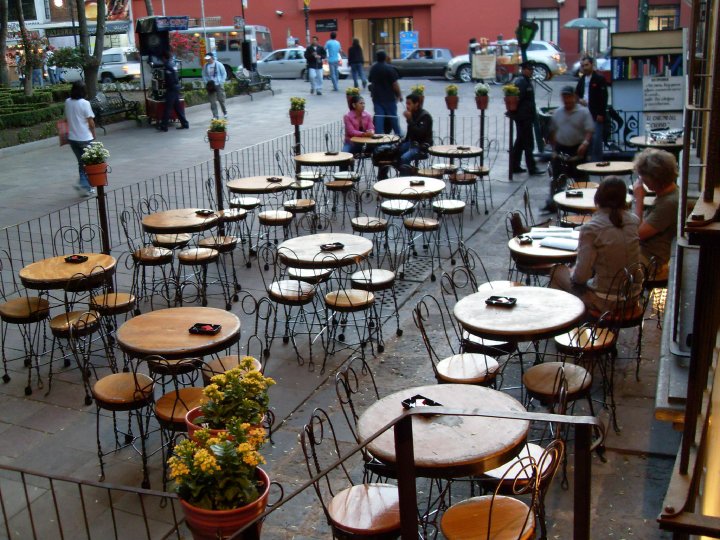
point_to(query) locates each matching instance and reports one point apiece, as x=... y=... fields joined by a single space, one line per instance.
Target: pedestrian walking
x=524 y=119
x=357 y=61
x=50 y=65
x=385 y=92
x=172 y=95
x=314 y=55
x=81 y=130
x=332 y=47
x=214 y=76
x=592 y=93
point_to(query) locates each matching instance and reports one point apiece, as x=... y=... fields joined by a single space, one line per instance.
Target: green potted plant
x=351 y=92
x=217 y=133
x=419 y=90
x=451 y=96
x=482 y=96
x=218 y=479
x=94 y=158
x=297 y=111
x=512 y=97
x=239 y=393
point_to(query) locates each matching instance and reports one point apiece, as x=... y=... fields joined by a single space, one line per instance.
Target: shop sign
x=326 y=25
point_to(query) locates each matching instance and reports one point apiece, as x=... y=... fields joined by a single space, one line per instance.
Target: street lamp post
x=306 y=11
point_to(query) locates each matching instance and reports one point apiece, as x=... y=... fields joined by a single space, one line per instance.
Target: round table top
x=56 y=273
x=584 y=204
x=165 y=333
x=538 y=314
x=400 y=188
x=257 y=185
x=536 y=253
x=455 y=151
x=612 y=167
x=646 y=142
x=182 y=220
x=376 y=140
x=323 y=158
x=450 y=446
x=305 y=252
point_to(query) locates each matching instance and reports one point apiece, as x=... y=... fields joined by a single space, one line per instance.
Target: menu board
x=664 y=93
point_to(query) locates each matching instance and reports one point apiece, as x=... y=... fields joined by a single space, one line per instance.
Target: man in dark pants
x=385 y=92
x=172 y=95
x=592 y=92
x=524 y=118
x=419 y=134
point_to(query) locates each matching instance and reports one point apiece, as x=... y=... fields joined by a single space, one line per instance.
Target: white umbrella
x=585 y=23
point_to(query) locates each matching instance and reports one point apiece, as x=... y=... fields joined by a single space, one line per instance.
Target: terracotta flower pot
x=217 y=139
x=482 y=102
x=511 y=103
x=211 y=524
x=297 y=117
x=97 y=174
x=452 y=102
x=192 y=427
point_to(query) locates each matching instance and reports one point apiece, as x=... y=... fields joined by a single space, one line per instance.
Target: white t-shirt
x=77 y=111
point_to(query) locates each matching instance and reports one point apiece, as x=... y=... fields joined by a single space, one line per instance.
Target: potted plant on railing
x=297 y=111
x=217 y=478
x=419 y=91
x=239 y=393
x=512 y=97
x=482 y=96
x=350 y=93
x=217 y=133
x=451 y=96
x=94 y=158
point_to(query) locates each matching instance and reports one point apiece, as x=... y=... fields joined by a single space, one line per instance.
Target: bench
x=255 y=82
x=104 y=105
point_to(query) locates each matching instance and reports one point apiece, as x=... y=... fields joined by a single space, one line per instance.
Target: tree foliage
x=185 y=47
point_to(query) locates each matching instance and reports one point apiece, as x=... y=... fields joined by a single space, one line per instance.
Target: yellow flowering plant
x=218 y=472
x=511 y=90
x=218 y=125
x=418 y=89
x=451 y=90
x=297 y=104
x=352 y=91
x=239 y=393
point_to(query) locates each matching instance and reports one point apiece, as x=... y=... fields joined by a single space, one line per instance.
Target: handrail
x=405 y=466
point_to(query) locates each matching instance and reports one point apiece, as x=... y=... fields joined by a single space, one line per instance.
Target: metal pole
x=583 y=479
x=512 y=136
x=452 y=126
x=306 y=10
x=218 y=190
x=102 y=214
x=482 y=137
x=406 y=478
x=296 y=148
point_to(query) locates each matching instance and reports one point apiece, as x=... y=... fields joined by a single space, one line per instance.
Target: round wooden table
x=376 y=140
x=305 y=252
x=581 y=205
x=56 y=273
x=539 y=313
x=612 y=167
x=182 y=220
x=165 y=333
x=323 y=159
x=535 y=253
x=259 y=185
x=401 y=188
x=450 y=446
x=642 y=141
x=455 y=151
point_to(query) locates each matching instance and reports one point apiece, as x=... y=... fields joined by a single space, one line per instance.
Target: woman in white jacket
x=214 y=72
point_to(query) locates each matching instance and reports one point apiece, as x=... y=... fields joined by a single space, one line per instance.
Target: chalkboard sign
x=663 y=93
x=326 y=25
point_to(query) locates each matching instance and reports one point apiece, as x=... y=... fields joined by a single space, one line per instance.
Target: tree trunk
x=149 y=8
x=4 y=75
x=92 y=62
x=26 y=45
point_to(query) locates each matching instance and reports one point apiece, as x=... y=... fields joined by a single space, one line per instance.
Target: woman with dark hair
x=608 y=243
x=81 y=130
x=356 y=61
x=358 y=123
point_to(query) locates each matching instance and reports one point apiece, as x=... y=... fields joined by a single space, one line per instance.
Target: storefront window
x=547 y=20
x=376 y=34
x=28 y=7
x=662 y=18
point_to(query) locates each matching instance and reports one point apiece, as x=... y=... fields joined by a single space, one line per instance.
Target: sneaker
x=319 y=93
x=312 y=90
x=518 y=170
x=225 y=116
x=91 y=192
x=80 y=189
x=186 y=126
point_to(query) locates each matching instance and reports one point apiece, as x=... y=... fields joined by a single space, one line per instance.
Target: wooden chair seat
x=310 y=275
x=347 y=300
x=583 y=185
x=396 y=207
x=421 y=224
x=630 y=316
x=444 y=167
x=346 y=175
x=313 y=176
x=368 y=224
x=497 y=285
x=582 y=339
x=121 y=392
x=449 y=206
x=81 y=322
x=173 y=368
x=112 y=303
x=172 y=241
x=491 y=347
x=574 y=220
x=291 y=292
x=478 y=171
x=659 y=280
x=200 y=255
x=171 y=408
x=374 y=279
x=515 y=470
x=430 y=173
x=24 y=310
x=299 y=206
x=339 y=185
x=533 y=269
x=469 y=519
x=366 y=510
x=223 y=364
x=245 y=202
x=541 y=380
x=232 y=215
x=275 y=217
x=223 y=244
x=152 y=256
x=467 y=368
x=301 y=185
x=463 y=179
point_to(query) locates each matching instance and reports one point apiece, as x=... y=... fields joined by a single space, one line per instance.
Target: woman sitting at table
x=358 y=123
x=608 y=243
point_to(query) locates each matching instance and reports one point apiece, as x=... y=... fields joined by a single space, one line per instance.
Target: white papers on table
x=538 y=233
x=558 y=242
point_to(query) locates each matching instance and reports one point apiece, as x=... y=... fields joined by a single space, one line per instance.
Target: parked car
x=343 y=69
x=423 y=62
x=118 y=63
x=602 y=63
x=549 y=59
x=284 y=64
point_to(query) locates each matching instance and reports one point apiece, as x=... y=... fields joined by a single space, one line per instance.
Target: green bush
x=37 y=97
x=31 y=117
x=24 y=135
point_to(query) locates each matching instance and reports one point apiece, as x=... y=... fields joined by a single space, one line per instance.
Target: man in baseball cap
x=214 y=76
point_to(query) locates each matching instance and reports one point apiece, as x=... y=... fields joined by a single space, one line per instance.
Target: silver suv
x=118 y=63
x=549 y=59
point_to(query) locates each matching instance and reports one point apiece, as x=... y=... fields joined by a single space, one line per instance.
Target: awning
x=67 y=28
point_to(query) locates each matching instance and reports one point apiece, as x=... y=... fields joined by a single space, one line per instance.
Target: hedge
x=32 y=117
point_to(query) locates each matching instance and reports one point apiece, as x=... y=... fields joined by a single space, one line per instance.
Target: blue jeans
x=37 y=77
x=77 y=148
x=353 y=148
x=334 y=73
x=52 y=75
x=358 y=74
x=316 y=79
x=383 y=110
x=597 y=144
x=409 y=152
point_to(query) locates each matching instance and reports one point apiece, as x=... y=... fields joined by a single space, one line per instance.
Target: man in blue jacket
x=333 y=57
x=214 y=77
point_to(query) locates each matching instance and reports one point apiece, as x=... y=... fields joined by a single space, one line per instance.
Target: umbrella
x=585 y=23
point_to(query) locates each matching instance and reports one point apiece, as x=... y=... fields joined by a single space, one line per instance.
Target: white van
x=118 y=64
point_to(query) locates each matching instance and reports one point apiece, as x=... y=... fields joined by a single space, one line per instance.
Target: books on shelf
x=630 y=67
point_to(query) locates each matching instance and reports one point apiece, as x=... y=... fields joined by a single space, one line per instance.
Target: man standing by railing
x=592 y=93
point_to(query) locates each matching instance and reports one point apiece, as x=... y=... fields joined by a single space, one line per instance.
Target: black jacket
x=597 y=94
x=420 y=129
x=526 y=104
x=355 y=55
x=312 y=62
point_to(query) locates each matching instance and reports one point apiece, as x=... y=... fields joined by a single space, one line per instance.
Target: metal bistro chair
x=69 y=240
